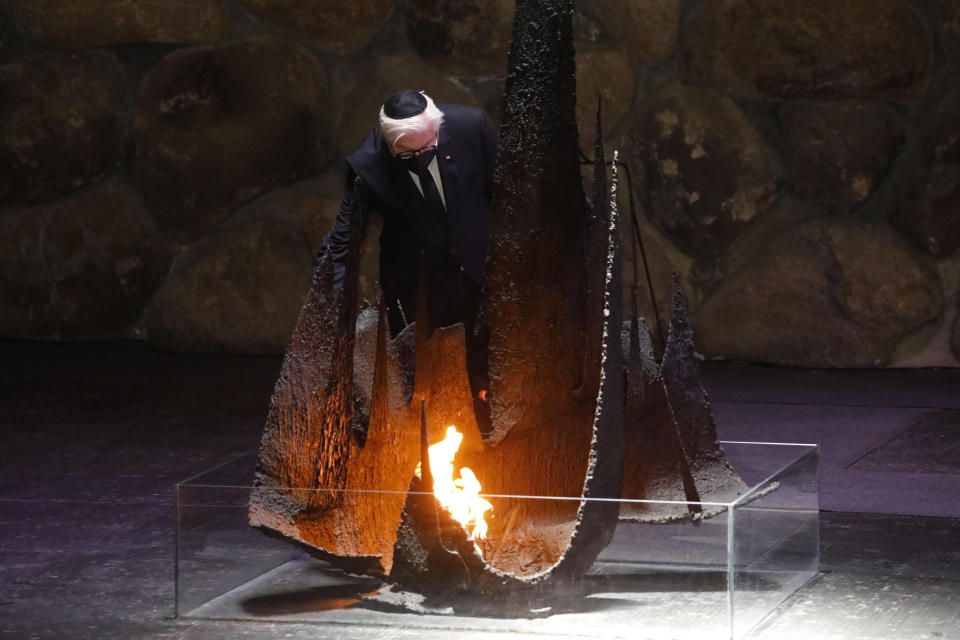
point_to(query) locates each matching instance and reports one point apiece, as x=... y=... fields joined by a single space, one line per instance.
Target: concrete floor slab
x=95 y=436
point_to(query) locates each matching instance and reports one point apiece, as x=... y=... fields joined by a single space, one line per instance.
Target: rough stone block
x=219 y=125
x=78 y=23
x=65 y=122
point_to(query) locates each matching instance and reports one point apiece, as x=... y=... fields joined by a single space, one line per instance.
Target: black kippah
x=405 y=104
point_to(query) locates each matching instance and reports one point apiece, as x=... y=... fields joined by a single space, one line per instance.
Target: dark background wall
x=168 y=169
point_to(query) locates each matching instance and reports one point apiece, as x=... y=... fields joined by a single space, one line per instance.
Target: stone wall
x=168 y=170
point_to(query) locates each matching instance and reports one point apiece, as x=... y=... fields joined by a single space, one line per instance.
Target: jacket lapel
x=447 y=156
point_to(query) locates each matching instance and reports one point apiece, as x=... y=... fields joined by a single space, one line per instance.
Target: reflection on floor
x=95 y=436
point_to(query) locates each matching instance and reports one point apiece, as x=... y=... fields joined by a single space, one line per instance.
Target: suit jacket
x=453 y=247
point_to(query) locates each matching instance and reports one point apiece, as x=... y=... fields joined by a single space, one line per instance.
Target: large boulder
x=78 y=23
x=65 y=122
x=647 y=29
x=928 y=211
x=238 y=290
x=839 y=152
x=81 y=268
x=377 y=78
x=784 y=49
x=461 y=37
x=949 y=13
x=332 y=25
x=218 y=125
x=709 y=171
x=826 y=293
x=310 y=206
x=928 y=204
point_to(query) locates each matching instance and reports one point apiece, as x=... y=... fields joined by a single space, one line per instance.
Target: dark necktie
x=430 y=192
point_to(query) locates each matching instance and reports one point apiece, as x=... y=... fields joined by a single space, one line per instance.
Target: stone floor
x=94 y=438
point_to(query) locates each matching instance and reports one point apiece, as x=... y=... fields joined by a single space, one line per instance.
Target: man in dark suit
x=428 y=171
x=421 y=151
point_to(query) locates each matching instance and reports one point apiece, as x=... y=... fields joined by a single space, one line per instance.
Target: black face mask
x=418 y=163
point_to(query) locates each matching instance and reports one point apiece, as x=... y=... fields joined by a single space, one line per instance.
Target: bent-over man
x=427 y=169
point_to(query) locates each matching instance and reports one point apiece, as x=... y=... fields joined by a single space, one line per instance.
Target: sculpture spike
x=596 y=246
x=426 y=474
x=536 y=266
x=672 y=449
x=680 y=373
x=380 y=390
x=597 y=520
x=333 y=452
x=287 y=455
x=600 y=204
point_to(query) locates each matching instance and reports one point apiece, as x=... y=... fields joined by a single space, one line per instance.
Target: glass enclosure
x=711 y=578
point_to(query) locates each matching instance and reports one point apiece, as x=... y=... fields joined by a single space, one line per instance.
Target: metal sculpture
x=579 y=408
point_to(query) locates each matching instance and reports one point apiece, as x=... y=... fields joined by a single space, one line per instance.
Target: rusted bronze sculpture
x=579 y=407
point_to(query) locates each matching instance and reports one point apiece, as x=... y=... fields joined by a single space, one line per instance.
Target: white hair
x=429 y=120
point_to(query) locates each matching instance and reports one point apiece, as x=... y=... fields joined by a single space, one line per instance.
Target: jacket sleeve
x=337 y=240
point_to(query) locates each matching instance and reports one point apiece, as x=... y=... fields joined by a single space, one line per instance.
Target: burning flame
x=460 y=496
